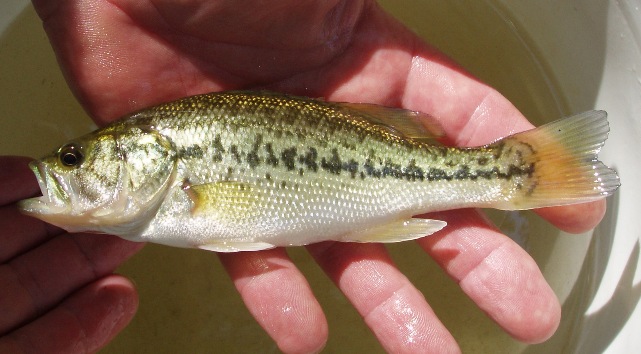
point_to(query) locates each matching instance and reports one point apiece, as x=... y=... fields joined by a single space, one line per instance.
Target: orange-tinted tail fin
x=566 y=169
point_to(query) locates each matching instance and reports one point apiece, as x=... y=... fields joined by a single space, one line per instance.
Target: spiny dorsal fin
x=401 y=122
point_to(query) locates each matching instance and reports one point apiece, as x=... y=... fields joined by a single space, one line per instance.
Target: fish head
x=109 y=181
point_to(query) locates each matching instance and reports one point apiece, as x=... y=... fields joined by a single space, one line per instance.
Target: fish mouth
x=54 y=199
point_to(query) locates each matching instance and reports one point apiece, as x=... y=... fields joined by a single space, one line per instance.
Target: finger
x=575 y=218
x=21 y=233
x=35 y=281
x=280 y=299
x=393 y=309
x=16 y=180
x=498 y=275
x=83 y=323
x=105 y=69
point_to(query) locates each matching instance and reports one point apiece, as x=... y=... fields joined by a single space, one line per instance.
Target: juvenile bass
x=242 y=171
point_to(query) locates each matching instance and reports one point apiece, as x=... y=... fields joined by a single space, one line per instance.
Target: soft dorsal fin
x=411 y=124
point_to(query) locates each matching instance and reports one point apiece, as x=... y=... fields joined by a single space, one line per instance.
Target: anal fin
x=396 y=231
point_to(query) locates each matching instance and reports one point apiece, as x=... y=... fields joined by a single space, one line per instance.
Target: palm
x=147 y=53
x=123 y=55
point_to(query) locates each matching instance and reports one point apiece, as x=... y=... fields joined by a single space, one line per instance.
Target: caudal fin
x=566 y=169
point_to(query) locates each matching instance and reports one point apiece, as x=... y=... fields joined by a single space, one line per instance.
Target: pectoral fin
x=397 y=231
x=225 y=199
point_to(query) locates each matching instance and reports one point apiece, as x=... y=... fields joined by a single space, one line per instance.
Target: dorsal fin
x=411 y=124
x=402 y=122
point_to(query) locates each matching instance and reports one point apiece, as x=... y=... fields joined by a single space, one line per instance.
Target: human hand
x=119 y=56
x=58 y=292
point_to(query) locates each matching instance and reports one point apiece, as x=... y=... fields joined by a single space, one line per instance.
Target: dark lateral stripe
x=307 y=160
x=190 y=152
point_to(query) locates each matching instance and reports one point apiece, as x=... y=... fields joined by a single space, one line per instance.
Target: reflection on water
x=187 y=302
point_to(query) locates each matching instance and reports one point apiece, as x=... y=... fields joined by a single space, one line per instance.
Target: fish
x=252 y=170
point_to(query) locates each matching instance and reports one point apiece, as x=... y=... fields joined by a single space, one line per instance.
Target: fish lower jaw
x=41 y=206
x=60 y=216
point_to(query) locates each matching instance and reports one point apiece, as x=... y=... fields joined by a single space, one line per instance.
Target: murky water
x=187 y=302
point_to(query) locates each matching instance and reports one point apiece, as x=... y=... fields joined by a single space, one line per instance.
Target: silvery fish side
x=239 y=171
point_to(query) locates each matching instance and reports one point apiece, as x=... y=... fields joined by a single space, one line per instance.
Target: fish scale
x=254 y=170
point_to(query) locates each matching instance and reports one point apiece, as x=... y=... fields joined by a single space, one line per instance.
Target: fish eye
x=70 y=155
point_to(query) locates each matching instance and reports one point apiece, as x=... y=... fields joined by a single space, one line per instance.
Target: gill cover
x=110 y=181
